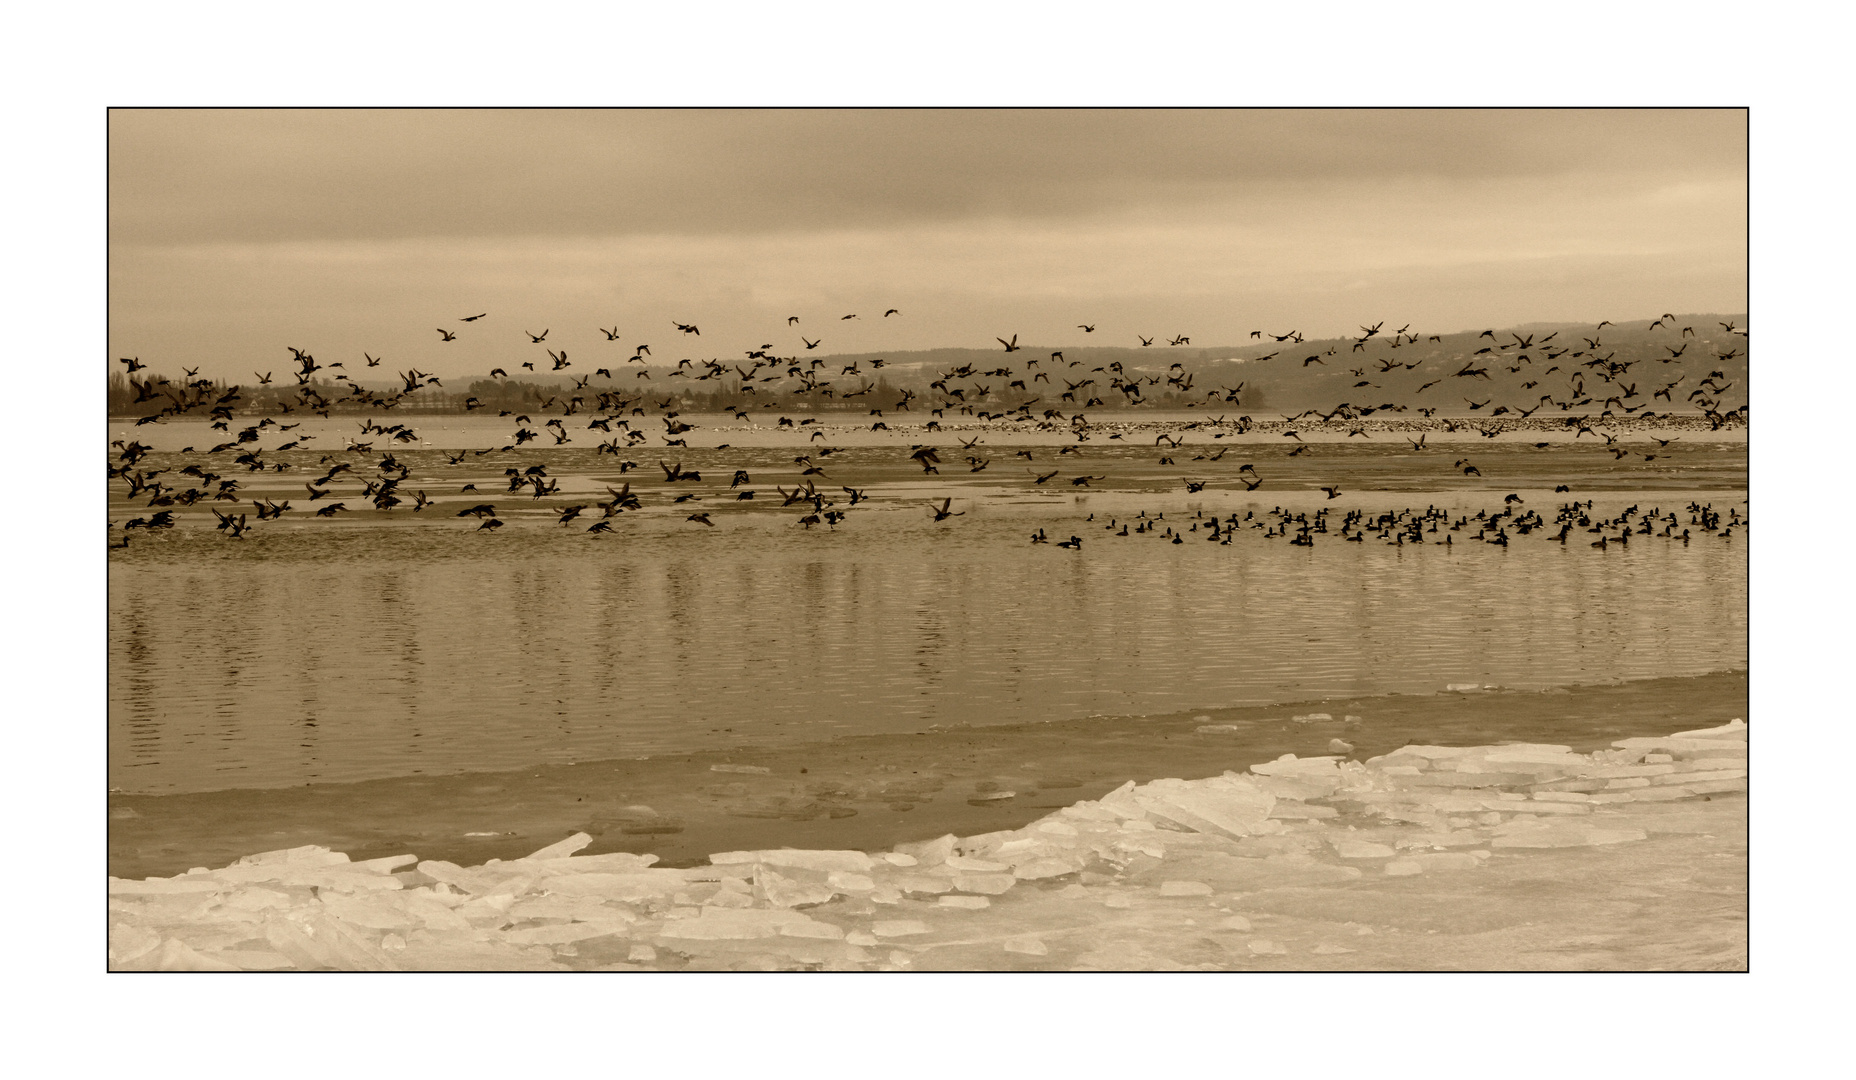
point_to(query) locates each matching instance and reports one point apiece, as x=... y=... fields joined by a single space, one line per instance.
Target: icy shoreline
x=1226 y=872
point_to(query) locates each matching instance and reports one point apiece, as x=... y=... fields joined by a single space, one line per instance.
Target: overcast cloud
x=236 y=233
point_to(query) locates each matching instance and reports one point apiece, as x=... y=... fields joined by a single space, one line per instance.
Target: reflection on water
x=441 y=653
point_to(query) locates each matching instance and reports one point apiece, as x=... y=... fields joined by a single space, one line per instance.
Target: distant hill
x=1679 y=365
x=1320 y=373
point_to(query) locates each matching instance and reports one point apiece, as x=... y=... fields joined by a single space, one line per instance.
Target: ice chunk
x=1286 y=810
x=564 y=933
x=746 y=769
x=1217 y=729
x=885 y=928
x=897 y=858
x=432 y=912
x=1429 y=753
x=1538 y=806
x=1538 y=834
x=725 y=924
x=1217 y=805
x=386 y=864
x=785 y=892
x=128 y=941
x=480 y=880
x=642 y=954
x=1235 y=922
x=854 y=861
x=257 y=898
x=1263 y=947
x=1614 y=771
x=814 y=929
x=1702 y=776
x=969 y=902
x=308 y=854
x=845 y=881
x=1034 y=869
x=1403 y=867
x=1185 y=888
x=172 y=955
x=924 y=883
x=930 y=852
x=1662 y=794
x=1545 y=753
x=1447 y=860
x=160 y=886
x=1735 y=728
x=1360 y=849
x=642 y=885
x=981 y=866
x=324 y=942
x=560 y=849
x=1027 y=944
x=989 y=884
x=730 y=898
x=375 y=912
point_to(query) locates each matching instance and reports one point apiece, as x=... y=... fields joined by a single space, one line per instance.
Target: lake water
x=387 y=645
x=378 y=644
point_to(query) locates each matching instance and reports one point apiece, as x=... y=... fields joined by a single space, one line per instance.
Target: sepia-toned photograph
x=1235 y=540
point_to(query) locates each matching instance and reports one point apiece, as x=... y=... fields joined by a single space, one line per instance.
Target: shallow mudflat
x=1512 y=856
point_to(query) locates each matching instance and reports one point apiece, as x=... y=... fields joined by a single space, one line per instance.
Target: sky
x=237 y=234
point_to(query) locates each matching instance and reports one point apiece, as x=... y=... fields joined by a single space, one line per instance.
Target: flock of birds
x=1590 y=377
x=1408 y=526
